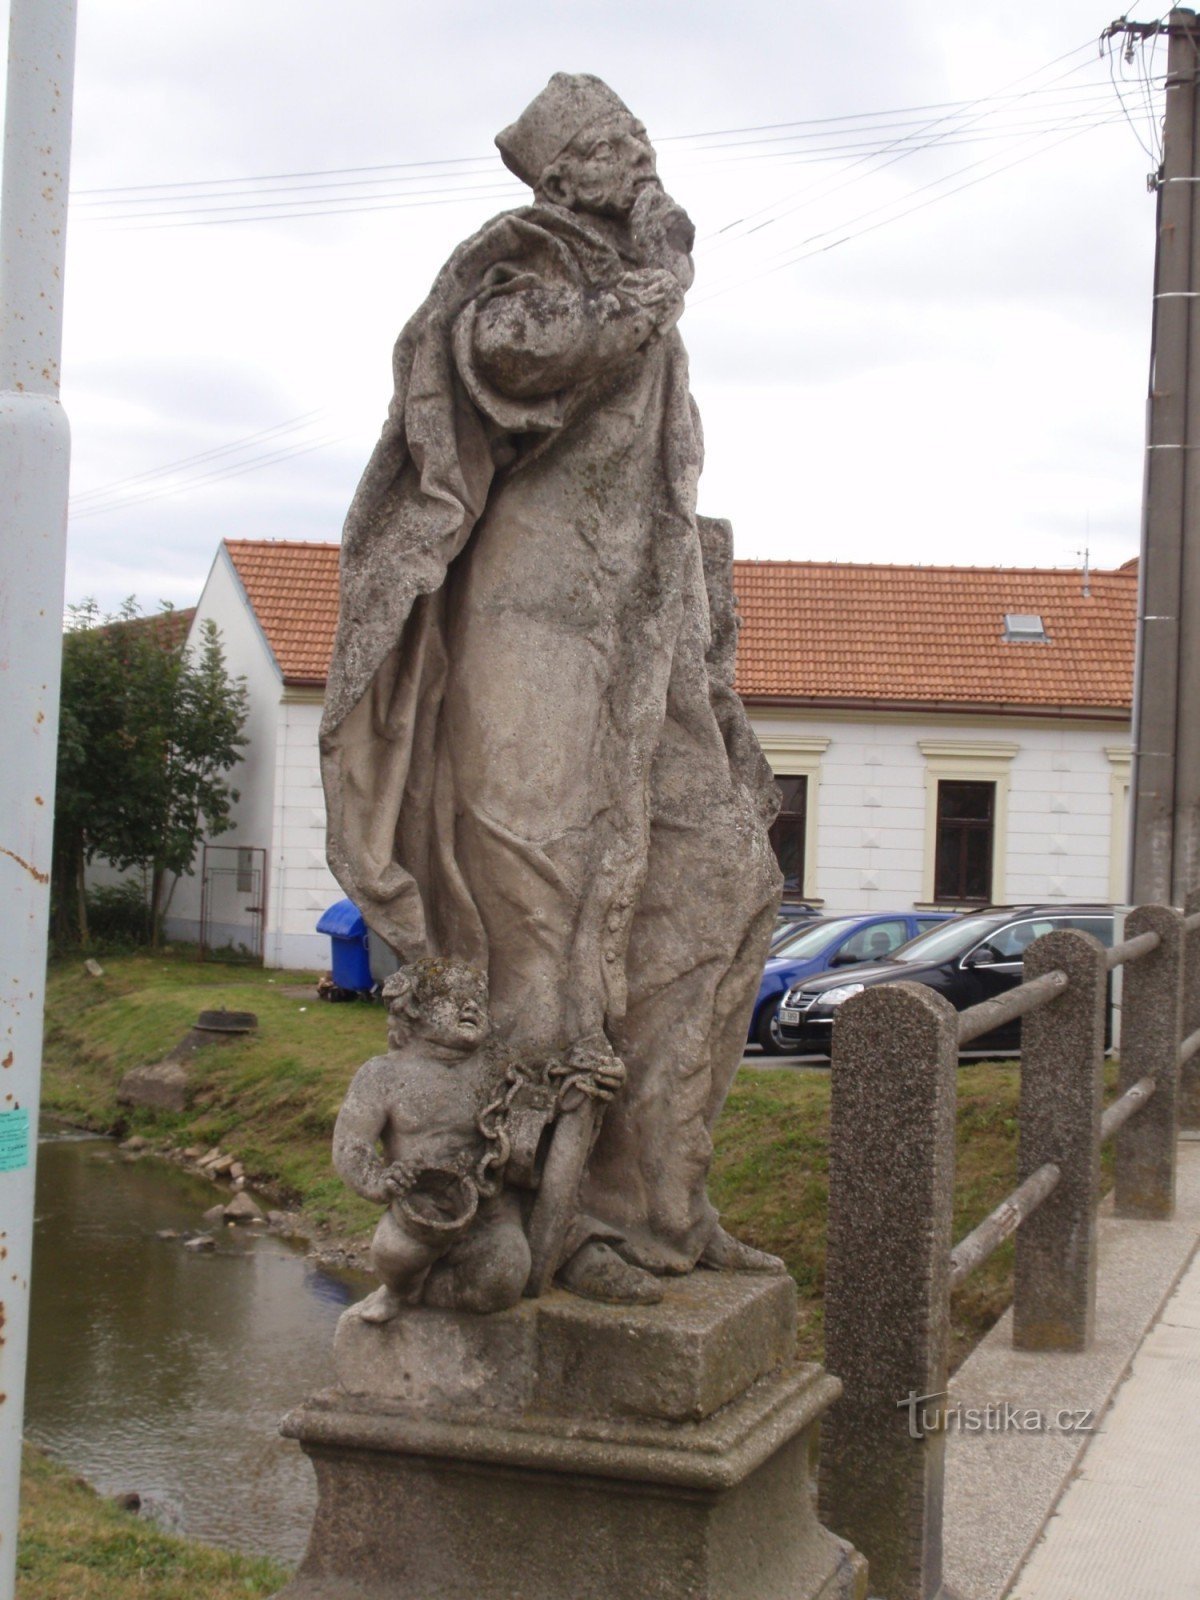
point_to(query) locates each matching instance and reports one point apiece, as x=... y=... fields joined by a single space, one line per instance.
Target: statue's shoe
x=597 y=1272
x=724 y=1253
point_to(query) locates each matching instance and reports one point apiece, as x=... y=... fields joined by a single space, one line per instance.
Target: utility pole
x=34 y=460
x=1165 y=829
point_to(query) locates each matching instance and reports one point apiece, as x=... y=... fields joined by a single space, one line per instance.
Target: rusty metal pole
x=34 y=460
x=1166 y=787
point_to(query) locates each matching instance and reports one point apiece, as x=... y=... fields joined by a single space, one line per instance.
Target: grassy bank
x=75 y=1546
x=271 y=1099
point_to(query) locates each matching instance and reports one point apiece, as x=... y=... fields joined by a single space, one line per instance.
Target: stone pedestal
x=571 y=1451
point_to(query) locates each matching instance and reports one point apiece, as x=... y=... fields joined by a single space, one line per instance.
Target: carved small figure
x=451 y=1235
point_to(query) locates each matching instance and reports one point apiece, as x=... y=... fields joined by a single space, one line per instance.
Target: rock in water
x=243 y=1209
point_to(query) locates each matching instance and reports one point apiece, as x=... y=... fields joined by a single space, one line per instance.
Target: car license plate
x=789 y=1014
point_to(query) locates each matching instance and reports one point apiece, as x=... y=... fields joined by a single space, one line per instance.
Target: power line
x=821 y=249
x=898 y=153
x=221 y=475
x=120 y=485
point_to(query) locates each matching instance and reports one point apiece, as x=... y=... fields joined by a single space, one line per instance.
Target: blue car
x=829 y=943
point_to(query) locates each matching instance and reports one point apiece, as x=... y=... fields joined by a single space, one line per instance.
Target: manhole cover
x=227 y=1021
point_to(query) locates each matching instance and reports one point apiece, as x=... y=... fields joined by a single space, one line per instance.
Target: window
x=875 y=942
x=965 y=835
x=1024 y=627
x=787 y=834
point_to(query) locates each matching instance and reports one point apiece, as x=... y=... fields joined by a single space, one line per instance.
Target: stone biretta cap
x=569 y=103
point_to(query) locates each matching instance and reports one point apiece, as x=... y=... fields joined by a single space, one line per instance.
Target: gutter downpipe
x=34 y=465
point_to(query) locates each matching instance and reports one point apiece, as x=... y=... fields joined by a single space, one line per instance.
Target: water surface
x=155 y=1369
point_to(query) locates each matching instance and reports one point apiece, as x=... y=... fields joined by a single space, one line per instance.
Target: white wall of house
x=246 y=655
x=302 y=886
x=1061 y=801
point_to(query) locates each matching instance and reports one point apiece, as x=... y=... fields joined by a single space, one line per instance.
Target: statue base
x=567 y=1450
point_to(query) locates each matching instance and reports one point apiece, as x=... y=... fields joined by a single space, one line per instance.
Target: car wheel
x=762 y=1032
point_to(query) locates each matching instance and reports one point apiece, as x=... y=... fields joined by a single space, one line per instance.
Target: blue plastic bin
x=347 y=930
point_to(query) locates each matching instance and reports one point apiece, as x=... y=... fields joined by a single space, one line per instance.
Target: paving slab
x=1127 y=1526
x=1004 y=1481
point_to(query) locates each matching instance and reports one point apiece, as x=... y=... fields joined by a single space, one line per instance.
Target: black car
x=970 y=959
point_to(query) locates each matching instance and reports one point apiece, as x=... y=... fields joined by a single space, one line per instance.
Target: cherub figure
x=452 y=1235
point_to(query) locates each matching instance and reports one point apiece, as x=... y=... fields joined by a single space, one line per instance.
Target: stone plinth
x=573 y=1451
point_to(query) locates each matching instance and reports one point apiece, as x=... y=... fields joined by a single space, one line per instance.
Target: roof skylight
x=1024 y=627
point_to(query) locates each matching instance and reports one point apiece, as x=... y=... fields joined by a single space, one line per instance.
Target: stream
x=162 y=1371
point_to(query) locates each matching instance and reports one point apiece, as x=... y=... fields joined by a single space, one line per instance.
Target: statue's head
x=445 y=1002
x=578 y=145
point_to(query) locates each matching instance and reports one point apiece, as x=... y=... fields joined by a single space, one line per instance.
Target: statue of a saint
x=534 y=759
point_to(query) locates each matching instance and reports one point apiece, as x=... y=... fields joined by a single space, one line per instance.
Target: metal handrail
x=988 y=1014
x=1189 y=1048
x=1004 y=1221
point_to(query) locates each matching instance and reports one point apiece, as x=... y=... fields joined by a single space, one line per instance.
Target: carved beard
x=662 y=233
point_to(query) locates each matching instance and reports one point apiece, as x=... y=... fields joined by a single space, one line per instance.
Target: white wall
x=246 y=655
x=302 y=886
x=872 y=787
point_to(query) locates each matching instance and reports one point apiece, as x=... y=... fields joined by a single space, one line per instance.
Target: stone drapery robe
x=534 y=759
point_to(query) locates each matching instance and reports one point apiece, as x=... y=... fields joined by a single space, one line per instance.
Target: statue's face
x=456 y=1015
x=607 y=166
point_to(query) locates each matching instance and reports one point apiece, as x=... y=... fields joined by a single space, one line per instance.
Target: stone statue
x=533 y=756
x=460 y=1124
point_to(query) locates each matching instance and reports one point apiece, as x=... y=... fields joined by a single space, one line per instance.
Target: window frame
x=962 y=829
x=798 y=755
x=966 y=761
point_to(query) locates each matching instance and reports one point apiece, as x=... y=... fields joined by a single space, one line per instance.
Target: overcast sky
x=919 y=330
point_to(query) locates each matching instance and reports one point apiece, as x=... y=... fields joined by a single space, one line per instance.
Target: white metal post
x=34 y=461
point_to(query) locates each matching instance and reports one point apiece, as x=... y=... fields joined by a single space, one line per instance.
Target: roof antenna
x=1087 y=570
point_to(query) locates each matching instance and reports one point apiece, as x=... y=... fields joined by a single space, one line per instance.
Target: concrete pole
x=34 y=460
x=1166 y=786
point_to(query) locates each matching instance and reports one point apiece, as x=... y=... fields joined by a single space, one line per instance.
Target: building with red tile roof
x=823 y=632
x=891 y=701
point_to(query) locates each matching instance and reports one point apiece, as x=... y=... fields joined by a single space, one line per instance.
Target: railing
x=890 y=1265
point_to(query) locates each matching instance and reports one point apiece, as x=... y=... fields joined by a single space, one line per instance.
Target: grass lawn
x=271 y=1100
x=75 y=1546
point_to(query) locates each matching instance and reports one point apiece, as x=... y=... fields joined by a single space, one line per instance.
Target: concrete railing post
x=891 y=1181
x=1062 y=1085
x=1150 y=1040
x=1189 y=1076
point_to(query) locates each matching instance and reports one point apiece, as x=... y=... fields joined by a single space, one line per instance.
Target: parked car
x=971 y=958
x=790 y=917
x=827 y=942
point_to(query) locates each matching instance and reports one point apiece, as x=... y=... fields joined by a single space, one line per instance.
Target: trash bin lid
x=343 y=920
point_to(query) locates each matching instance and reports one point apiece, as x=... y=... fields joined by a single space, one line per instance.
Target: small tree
x=147 y=735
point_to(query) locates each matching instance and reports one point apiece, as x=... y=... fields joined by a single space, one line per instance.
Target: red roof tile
x=293 y=591
x=822 y=631
x=934 y=635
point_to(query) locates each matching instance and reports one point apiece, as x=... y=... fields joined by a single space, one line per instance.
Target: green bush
x=118 y=915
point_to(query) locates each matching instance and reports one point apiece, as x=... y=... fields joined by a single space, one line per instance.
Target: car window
x=816 y=937
x=925 y=923
x=1099 y=926
x=1010 y=943
x=948 y=940
x=873 y=942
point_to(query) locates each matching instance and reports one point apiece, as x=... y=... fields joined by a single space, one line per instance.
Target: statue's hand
x=655 y=290
x=610 y=1077
x=593 y=1059
x=398 y=1178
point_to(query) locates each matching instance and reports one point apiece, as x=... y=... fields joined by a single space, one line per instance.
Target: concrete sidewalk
x=1130 y=1524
